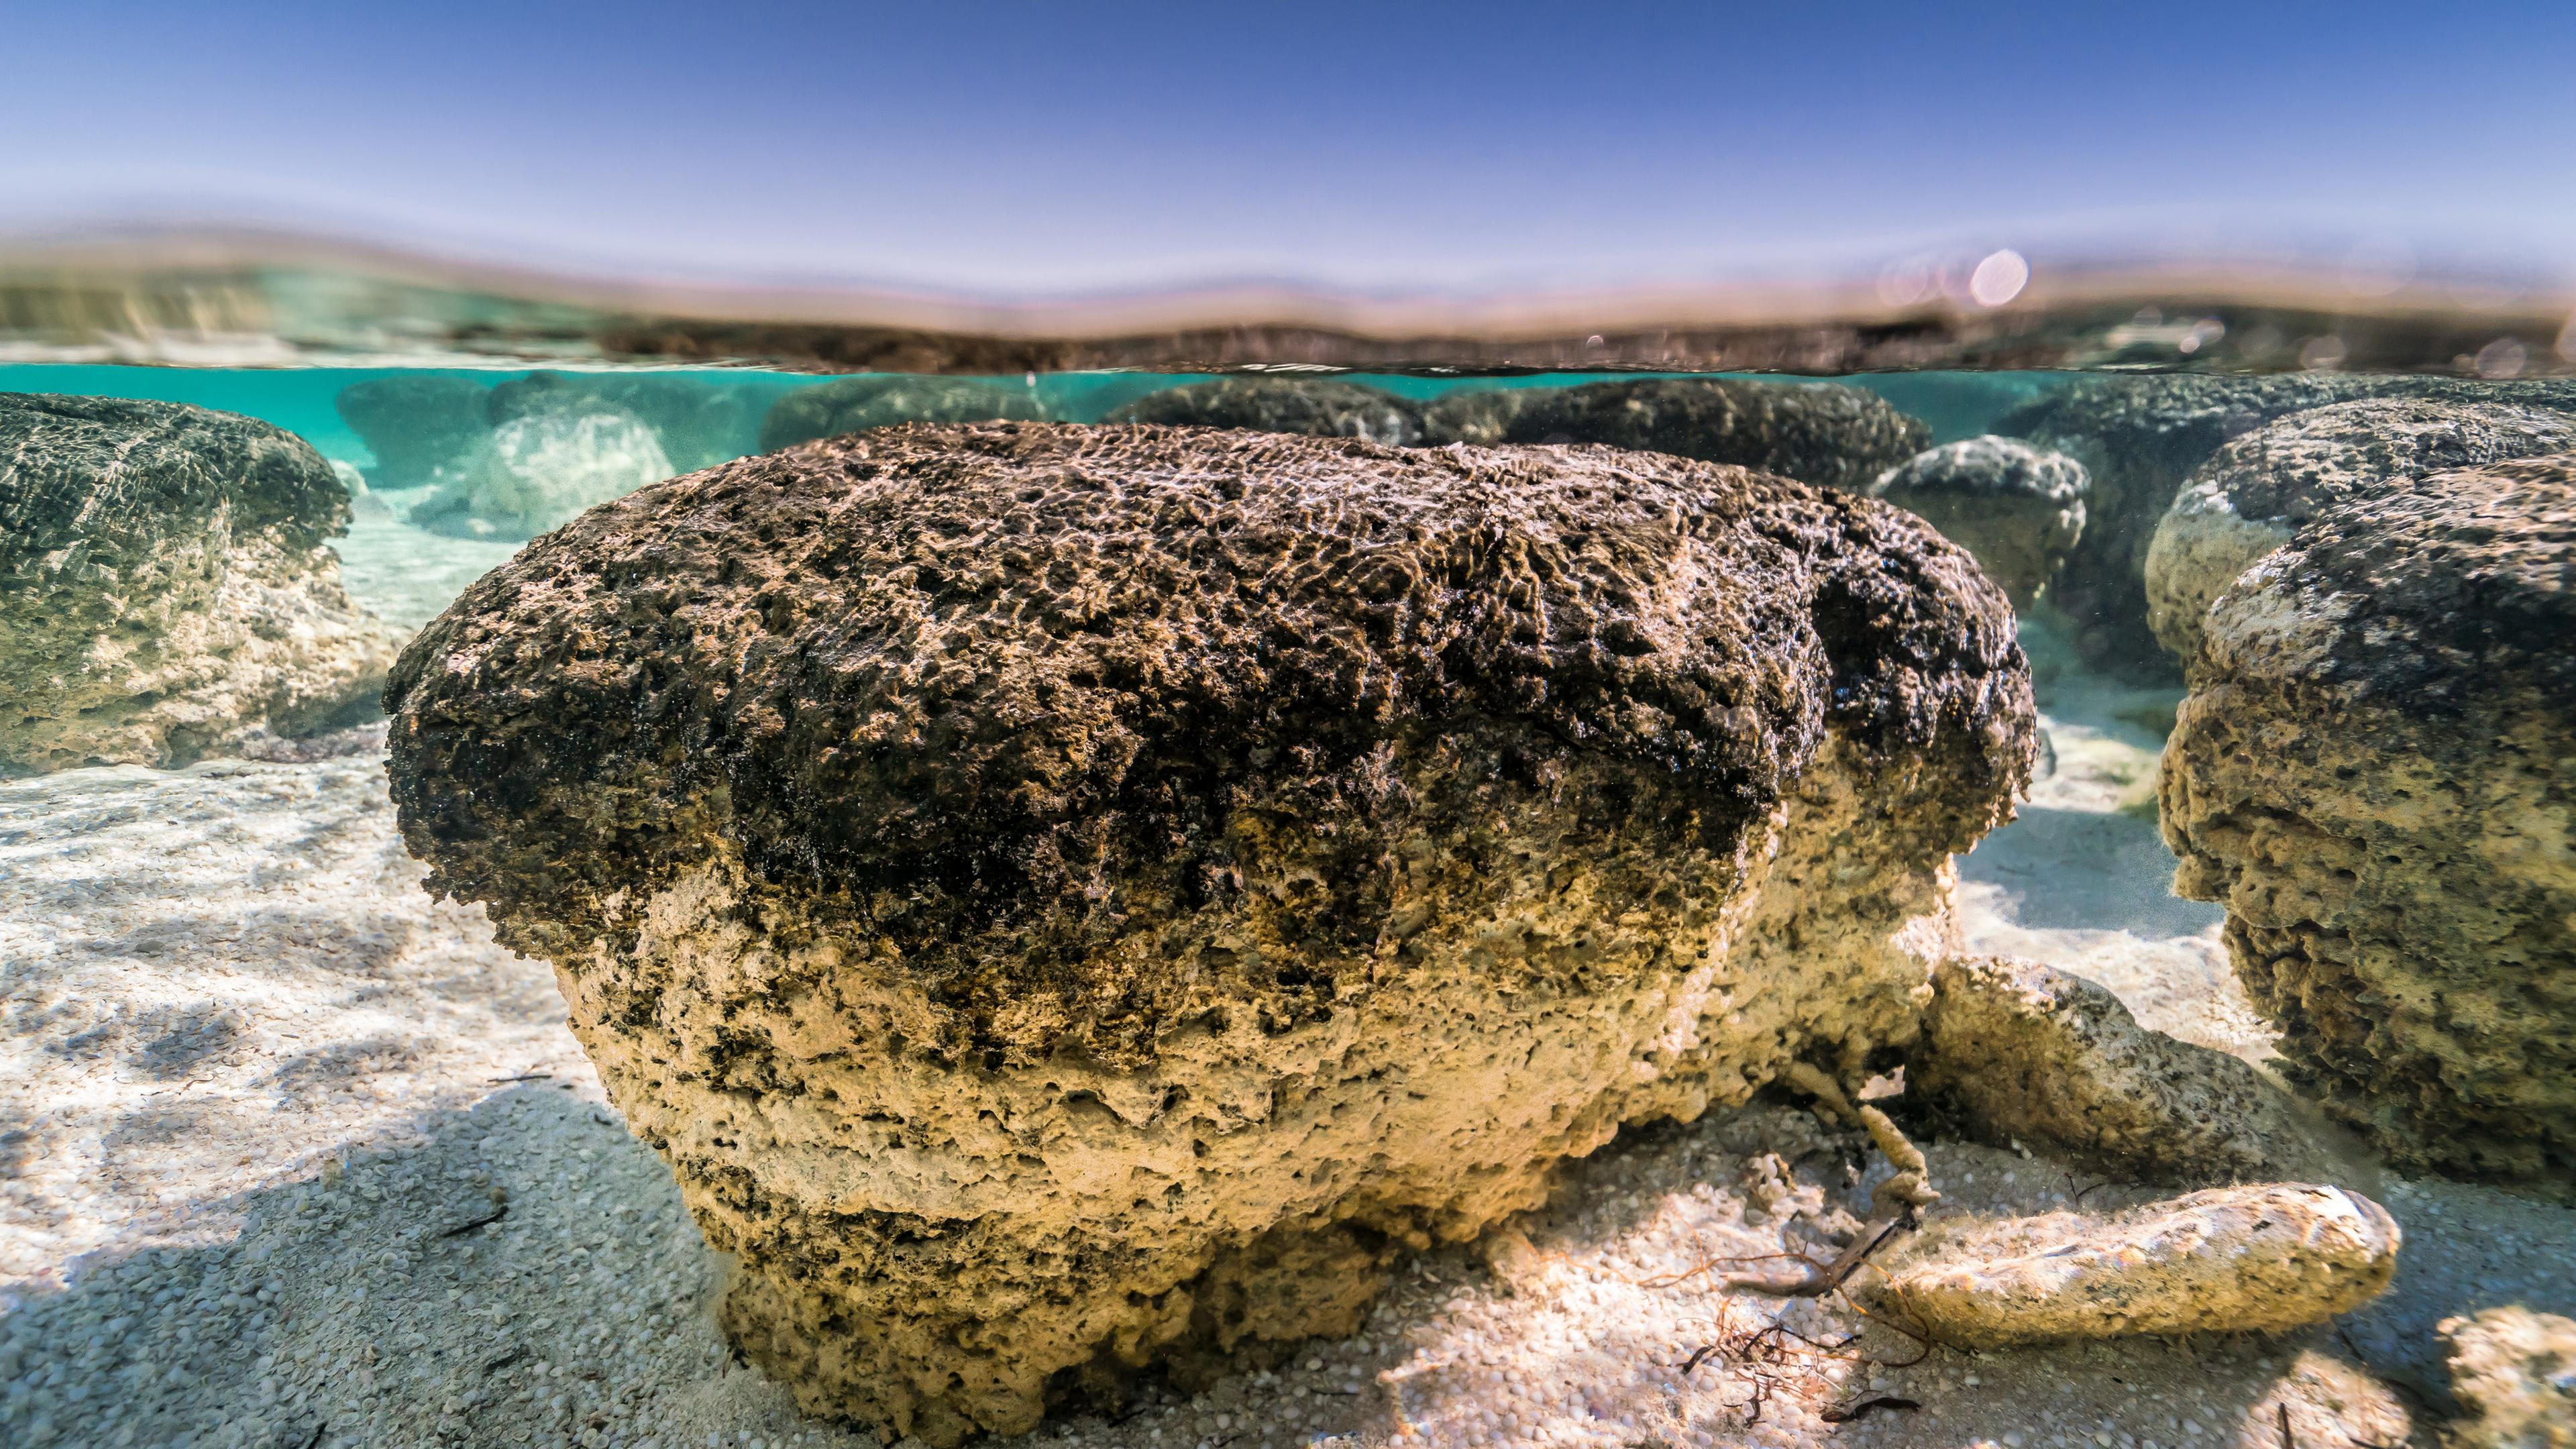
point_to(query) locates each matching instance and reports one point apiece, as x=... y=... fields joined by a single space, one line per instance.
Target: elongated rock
x=2026 y=1053
x=1821 y=433
x=167 y=587
x=2231 y=1259
x=1066 y=898
x=2372 y=773
x=880 y=400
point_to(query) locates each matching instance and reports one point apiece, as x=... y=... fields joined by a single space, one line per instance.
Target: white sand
x=254 y=1087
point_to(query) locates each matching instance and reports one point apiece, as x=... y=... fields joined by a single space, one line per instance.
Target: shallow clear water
x=224 y=989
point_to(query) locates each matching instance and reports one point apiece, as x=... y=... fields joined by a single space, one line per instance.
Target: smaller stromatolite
x=2018 y=508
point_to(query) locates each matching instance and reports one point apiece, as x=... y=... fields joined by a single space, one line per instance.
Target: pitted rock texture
x=2253 y=495
x=1317 y=405
x=2514 y=1373
x=698 y=421
x=2140 y=438
x=2228 y=1260
x=2029 y=1054
x=878 y=400
x=1071 y=897
x=1821 y=433
x=538 y=470
x=2376 y=773
x=166 y=588
x=2019 y=509
x=423 y=430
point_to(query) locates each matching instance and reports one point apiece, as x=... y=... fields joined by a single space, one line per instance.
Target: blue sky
x=1035 y=149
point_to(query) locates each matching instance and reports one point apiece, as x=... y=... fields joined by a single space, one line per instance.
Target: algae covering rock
x=166 y=588
x=2029 y=1054
x=2139 y=438
x=698 y=420
x=539 y=470
x=1822 y=433
x=2514 y=1373
x=2373 y=773
x=424 y=430
x=879 y=400
x=2248 y=499
x=1283 y=405
x=2019 y=509
x=1071 y=898
x=2228 y=1260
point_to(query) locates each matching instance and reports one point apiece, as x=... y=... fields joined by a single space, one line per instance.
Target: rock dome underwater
x=1069 y=899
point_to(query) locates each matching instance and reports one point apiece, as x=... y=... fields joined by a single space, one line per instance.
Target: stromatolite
x=1822 y=433
x=1321 y=405
x=2019 y=509
x=2248 y=499
x=166 y=585
x=2376 y=773
x=1071 y=897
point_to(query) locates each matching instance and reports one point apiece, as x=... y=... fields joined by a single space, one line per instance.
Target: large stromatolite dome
x=166 y=587
x=1283 y=405
x=1071 y=897
x=697 y=421
x=539 y=469
x=2252 y=496
x=2374 y=773
x=1824 y=433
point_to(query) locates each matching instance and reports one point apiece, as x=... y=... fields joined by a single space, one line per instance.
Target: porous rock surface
x=1482 y=416
x=699 y=421
x=538 y=470
x=1068 y=897
x=2018 y=508
x=2227 y=1260
x=877 y=400
x=2140 y=437
x=423 y=429
x=2514 y=1373
x=2253 y=494
x=2373 y=773
x=1821 y=433
x=2029 y=1054
x=1319 y=405
x=166 y=588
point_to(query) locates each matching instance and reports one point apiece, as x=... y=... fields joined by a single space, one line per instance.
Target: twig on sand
x=2286 y=1441
x=522 y=1077
x=1846 y=1413
x=485 y=1221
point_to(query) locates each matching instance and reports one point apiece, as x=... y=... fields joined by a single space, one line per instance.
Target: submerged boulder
x=1481 y=416
x=424 y=430
x=879 y=400
x=539 y=470
x=1321 y=405
x=2373 y=773
x=166 y=588
x=2227 y=1260
x=699 y=421
x=2019 y=509
x=1067 y=898
x=2025 y=1053
x=2139 y=438
x=2248 y=499
x=1822 y=433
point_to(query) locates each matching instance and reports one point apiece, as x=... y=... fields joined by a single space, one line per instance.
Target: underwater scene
x=659 y=906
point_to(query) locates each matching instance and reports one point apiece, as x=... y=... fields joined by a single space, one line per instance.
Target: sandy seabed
x=292 y=1156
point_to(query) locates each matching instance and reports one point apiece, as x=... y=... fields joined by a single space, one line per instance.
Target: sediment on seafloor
x=166 y=586
x=1068 y=899
x=2372 y=773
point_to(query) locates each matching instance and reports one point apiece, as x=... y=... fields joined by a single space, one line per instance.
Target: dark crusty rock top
x=2003 y=468
x=993 y=671
x=876 y=400
x=116 y=477
x=2302 y=464
x=2454 y=591
x=1321 y=405
x=1823 y=433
